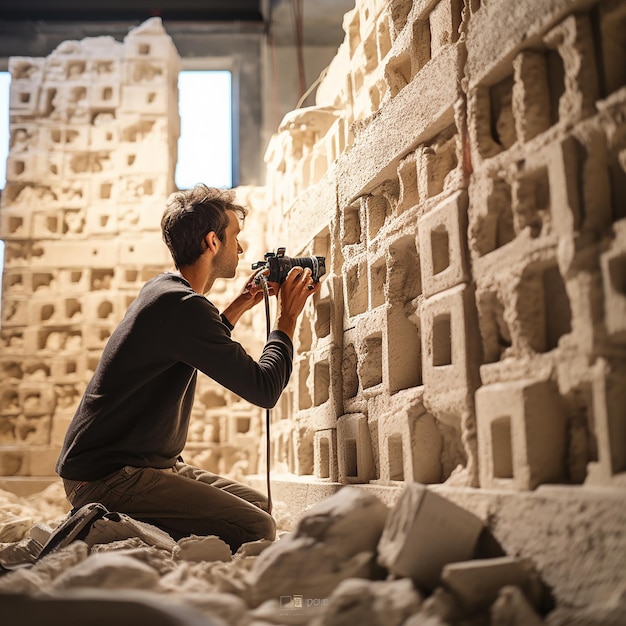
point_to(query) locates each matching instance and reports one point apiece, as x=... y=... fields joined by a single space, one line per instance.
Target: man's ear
x=211 y=240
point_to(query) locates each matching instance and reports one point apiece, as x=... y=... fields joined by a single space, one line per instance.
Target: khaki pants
x=182 y=500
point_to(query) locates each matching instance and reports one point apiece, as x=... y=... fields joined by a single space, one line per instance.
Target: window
x=205 y=152
x=5 y=83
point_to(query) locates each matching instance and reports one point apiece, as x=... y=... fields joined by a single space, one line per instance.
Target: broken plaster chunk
x=253 y=548
x=360 y=601
x=424 y=532
x=160 y=560
x=442 y=605
x=118 y=526
x=513 y=609
x=334 y=540
x=13 y=528
x=195 y=548
x=107 y=570
x=477 y=583
x=225 y=608
x=38 y=577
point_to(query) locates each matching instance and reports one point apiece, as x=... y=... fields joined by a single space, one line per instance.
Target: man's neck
x=197 y=276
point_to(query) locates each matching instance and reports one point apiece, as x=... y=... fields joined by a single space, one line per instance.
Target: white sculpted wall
x=93 y=131
x=465 y=175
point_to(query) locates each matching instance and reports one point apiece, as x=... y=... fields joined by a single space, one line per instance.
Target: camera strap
x=266 y=297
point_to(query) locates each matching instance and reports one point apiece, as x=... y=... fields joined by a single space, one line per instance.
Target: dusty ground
x=326 y=571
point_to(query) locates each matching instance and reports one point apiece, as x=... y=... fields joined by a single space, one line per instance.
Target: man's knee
x=264 y=527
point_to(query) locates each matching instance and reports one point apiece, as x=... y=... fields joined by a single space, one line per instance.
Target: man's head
x=191 y=215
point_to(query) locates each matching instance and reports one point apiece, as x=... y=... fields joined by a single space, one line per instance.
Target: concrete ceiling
x=322 y=19
x=124 y=10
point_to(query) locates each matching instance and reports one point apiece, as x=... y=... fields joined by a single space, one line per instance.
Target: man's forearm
x=235 y=310
x=286 y=324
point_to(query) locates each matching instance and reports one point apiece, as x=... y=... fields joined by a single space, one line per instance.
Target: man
x=123 y=446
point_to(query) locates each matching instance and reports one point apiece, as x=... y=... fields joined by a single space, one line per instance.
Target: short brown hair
x=193 y=213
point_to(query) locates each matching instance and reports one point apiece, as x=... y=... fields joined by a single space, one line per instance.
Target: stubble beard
x=225 y=267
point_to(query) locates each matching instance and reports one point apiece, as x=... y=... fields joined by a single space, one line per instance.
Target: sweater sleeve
x=204 y=342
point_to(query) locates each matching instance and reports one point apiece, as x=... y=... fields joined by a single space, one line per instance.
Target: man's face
x=227 y=257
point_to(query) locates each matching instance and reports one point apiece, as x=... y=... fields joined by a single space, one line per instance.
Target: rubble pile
x=350 y=559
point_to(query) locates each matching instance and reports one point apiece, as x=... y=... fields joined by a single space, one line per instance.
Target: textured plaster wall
x=463 y=170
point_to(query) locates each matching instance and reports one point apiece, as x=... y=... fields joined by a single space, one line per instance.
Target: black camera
x=279 y=265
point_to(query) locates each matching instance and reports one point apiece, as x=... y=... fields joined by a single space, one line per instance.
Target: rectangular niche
x=42 y=281
x=404 y=272
x=14 y=281
x=444 y=20
x=558 y=313
x=47 y=224
x=439 y=158
x=72 y=309
x=351 y=225
x=242 y=425
x=13 y=226
x=349 y=372
x=440 y=248
x=442 y=340
x=502 y=119
x=351 y=458
x=502 y=447
x=356 y=288
x=532 y=201
x=322 y=318
x=371 y=367
x=383 y=37
x=9 y=402
x=531 y=94
x=378 y=276
x=73 y=222
x=421 y=43
x=494 y=331
x=325 y=454
x=614 y=280
x=407 y=178
x=396 y=457
x=556 y=82
x=324 y=471
x=377 y=209
x=398 y=73
x=74 y=280
x=321 y=383
x=544 y=310
x=102 y=279
x=495 y=228
x=403 y=350
x=321 y=246
x=354 y=449
x=613 y=43
x=304 y=395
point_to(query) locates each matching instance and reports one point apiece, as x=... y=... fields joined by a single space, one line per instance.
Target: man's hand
x=249 y=296
x=297 y=288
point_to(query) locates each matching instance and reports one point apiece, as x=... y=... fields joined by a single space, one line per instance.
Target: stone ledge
x=24 y=486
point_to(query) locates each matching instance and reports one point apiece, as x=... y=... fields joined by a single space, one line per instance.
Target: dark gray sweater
x=136 y=408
